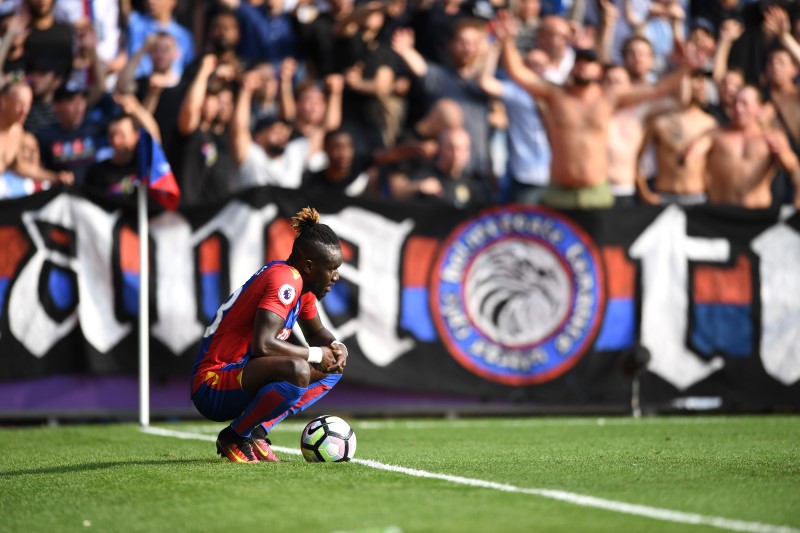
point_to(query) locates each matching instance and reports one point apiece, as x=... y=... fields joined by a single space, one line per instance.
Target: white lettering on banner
x=380 y=244
x=779 y=252
x=665 y=250
x=243 y=226
x=95 y=230
x=178 y=326
x=29 y=321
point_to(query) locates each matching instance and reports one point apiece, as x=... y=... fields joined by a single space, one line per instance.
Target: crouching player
x=246 y=371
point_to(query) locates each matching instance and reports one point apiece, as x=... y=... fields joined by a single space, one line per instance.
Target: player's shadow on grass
x=64 y=469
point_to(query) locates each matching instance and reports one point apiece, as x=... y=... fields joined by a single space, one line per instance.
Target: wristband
x=314 y=354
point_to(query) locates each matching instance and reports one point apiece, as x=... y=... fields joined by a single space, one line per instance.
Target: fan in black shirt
x=49 y=38
x=111 y=178
x=346 y=173
x=448 y=181
x=369 y=76
x=203 y=167
x=14 y=32
x=117 y=176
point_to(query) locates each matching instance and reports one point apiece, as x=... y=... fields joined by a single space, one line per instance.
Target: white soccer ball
x=328 y=439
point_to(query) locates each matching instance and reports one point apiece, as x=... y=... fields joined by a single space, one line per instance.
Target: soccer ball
x=328 y=439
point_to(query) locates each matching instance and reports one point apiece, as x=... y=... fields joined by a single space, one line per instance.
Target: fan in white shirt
x=267 y=156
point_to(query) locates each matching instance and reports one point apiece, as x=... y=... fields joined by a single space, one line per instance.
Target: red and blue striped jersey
x=277 y=287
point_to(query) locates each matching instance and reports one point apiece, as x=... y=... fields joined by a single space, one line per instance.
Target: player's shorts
x=220 y=397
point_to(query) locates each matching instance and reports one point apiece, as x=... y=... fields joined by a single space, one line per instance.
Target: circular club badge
x=517 y=295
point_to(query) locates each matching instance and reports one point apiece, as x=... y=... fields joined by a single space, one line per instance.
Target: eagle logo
x=517 y=294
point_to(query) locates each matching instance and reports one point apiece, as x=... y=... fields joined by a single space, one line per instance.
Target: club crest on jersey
x=286 y=293
x=517 y=295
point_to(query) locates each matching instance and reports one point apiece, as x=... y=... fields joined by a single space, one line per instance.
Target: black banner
x=515 y=302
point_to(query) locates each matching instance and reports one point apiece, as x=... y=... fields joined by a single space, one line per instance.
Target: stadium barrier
x=695 y=308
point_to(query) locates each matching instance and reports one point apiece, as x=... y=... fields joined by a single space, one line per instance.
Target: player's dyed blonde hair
x=309 y=231
x=304 y=219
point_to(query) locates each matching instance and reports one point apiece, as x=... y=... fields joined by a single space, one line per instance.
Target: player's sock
x=271 y=401
x=315 y=391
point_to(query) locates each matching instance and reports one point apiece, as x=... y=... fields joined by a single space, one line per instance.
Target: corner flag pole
x=144 y=306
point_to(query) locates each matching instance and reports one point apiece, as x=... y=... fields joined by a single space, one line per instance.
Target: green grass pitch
x=114 y=477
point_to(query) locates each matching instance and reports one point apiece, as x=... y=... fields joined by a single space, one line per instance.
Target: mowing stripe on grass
x=480 y=423
x=667 y=515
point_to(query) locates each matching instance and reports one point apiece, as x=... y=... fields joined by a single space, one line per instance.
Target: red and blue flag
x=155 y=172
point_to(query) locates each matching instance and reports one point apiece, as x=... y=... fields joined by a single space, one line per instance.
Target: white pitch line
x=667 y=515
x=470 y=423
x=529 y=422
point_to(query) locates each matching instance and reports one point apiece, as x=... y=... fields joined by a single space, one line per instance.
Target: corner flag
x=154 y=171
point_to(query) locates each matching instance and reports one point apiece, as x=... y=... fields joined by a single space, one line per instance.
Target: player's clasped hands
x=334 y=359
x=339 y=352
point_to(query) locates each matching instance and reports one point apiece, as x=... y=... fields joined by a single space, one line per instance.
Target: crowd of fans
x=568 y=103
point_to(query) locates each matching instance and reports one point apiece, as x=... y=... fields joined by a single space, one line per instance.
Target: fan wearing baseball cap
x=268 y=156
x=72 y=143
